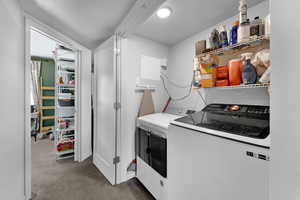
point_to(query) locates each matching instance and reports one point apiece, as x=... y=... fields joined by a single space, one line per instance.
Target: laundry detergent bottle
x=249 y=71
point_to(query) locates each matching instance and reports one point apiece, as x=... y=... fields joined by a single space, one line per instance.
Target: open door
x=106 y=109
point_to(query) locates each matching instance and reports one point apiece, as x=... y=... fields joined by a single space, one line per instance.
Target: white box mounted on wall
x=150 y=71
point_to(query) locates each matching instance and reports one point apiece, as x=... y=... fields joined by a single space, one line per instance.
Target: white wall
x=181 y=64
x=285 y=98
x=133 y=48
x=11 y=101
x=41 y=45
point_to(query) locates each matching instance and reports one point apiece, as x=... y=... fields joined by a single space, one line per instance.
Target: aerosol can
x=249 y=71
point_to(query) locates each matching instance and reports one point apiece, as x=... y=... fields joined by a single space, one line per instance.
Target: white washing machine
x=220 y=153
x=152 y=152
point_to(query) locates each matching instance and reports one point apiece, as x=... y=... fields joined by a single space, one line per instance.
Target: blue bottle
x=249 y=71
x=234 y=33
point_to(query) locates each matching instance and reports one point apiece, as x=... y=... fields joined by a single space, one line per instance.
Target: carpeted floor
x=68 y=180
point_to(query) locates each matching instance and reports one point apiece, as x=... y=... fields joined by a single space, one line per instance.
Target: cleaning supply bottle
x=244 y=32
x=243 y=11
x=234 y=69
x=249 y=71
x=223 y=36
x=234 y=33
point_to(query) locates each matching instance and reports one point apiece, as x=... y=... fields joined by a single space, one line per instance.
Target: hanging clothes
x=35 y=78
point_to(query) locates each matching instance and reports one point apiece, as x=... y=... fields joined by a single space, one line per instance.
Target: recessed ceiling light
x=164 y=12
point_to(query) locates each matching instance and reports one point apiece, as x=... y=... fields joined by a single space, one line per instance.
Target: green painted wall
x=48 y=79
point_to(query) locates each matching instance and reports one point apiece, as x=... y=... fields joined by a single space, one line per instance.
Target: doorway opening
x=64 y=108
x=53 y=109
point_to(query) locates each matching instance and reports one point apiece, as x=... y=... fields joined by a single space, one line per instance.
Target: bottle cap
x=236 y=23
x=247 y=56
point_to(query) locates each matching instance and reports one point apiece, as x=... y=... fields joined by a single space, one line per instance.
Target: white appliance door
x=106 y=96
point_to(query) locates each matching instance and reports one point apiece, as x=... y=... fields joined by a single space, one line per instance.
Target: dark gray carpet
x=68 y=180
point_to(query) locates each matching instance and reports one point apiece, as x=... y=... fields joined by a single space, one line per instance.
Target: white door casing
x=83 y=146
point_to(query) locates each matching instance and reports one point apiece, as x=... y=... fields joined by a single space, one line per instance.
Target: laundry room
x=182 y=80
x=149 y=99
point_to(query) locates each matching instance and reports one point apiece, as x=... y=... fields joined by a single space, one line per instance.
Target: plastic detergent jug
x=249 y=71
x=234 y=69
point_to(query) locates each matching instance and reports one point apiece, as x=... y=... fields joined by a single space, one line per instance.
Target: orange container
x=207 y=81
x=235 y=72
x=222 y=72
x=222 y=83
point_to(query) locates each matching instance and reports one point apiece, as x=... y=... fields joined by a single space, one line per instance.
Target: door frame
x=118 y=130
x=53 y=34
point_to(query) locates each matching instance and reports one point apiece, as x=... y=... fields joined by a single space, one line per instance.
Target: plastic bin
x=66 y=102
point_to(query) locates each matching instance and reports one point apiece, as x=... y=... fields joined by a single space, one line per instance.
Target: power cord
x=173 y=83
x=163 y=76
x=203 y=99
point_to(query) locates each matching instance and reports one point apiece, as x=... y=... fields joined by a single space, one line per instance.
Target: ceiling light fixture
x=164 y=13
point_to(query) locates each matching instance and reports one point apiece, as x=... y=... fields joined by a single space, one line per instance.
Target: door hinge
x=117 y=105
x=117 y=51
x=116 y=160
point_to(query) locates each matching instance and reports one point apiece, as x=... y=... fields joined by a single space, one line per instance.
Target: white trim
x=118 y=136
x=77 y=146
x=27 y=111
x=52 y=33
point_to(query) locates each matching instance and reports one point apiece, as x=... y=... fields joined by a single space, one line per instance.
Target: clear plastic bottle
x=243 y=11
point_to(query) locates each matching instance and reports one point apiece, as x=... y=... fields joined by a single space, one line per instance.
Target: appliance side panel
x=285 y=98
x=201 y=166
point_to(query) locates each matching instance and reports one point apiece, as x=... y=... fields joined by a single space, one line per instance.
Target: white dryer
x=152 y=152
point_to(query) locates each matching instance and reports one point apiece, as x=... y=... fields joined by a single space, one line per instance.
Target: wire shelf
x=250 y=42
x=249 y=86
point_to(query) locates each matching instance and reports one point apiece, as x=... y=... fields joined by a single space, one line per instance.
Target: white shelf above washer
x=249 y=86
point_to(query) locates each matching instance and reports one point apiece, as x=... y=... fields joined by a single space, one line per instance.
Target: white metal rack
x=251 y=42
x=65 y=103
x=249 y=86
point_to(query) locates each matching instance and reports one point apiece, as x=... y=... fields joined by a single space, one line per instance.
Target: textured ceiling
x=188 y=18
x=89 y=22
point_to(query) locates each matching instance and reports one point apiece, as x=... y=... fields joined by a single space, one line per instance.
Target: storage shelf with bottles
x=253 y=42
x=225 y=55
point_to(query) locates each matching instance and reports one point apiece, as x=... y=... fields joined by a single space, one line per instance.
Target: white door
x=84 y=120
x=106 y=95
